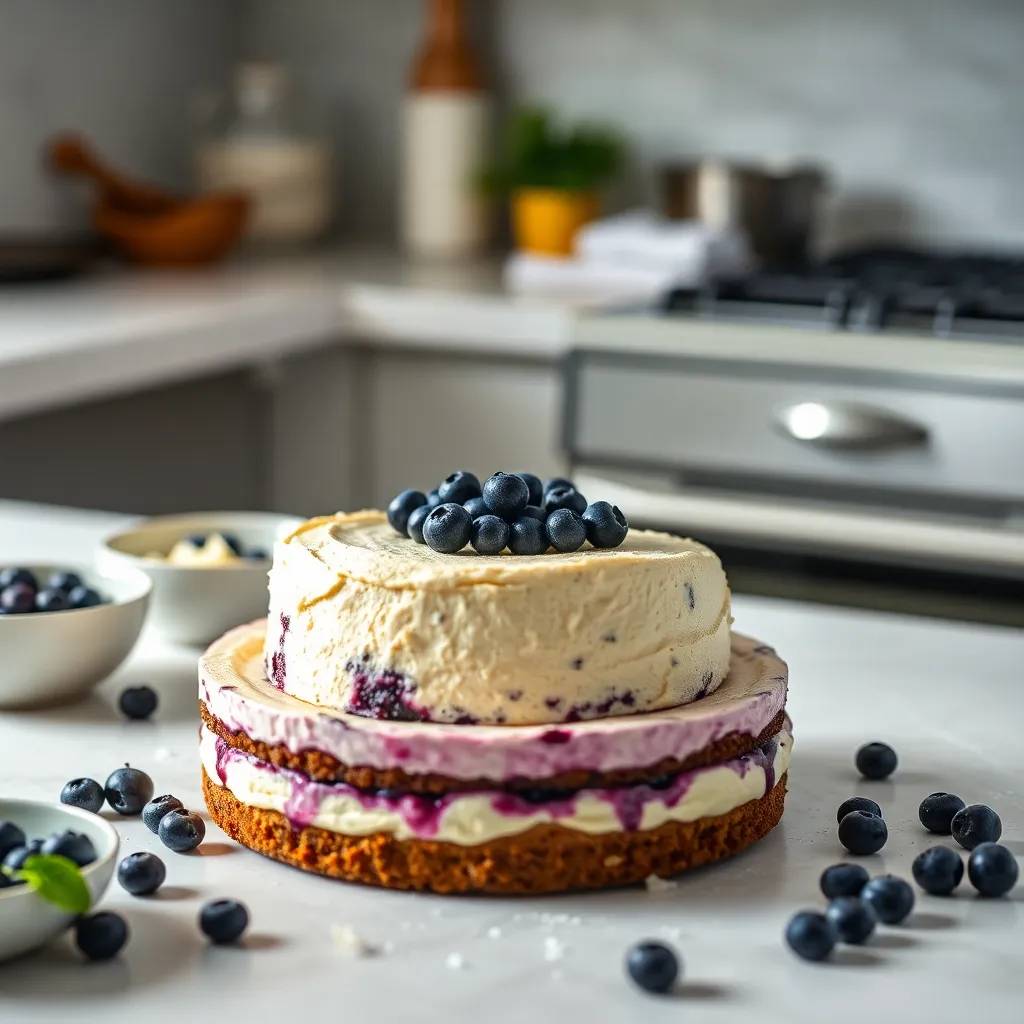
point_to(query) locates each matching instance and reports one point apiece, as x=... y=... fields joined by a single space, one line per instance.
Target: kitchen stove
x=949 y=295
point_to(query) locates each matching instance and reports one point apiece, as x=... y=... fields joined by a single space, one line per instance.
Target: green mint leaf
x=58 y=880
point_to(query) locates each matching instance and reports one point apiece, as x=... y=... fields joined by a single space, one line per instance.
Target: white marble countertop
x=949 y=697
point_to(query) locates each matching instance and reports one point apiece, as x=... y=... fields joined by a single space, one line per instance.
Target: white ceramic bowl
x=56 y=657
x=26 y=919
x=195 y=605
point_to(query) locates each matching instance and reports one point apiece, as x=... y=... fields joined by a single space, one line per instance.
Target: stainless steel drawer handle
x=848 y=425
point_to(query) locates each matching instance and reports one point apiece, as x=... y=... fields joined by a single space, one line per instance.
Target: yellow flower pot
x=545 y=221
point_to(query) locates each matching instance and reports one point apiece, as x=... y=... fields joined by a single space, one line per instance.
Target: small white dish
x=196 y=604
x=27 y=921
x=57 y=657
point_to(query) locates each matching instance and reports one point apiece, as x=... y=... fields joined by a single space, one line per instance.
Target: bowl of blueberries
x=64 y=629
x=209 y=569
x=30 y=827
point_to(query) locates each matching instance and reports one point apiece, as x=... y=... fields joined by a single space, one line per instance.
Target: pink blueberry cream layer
x=233 y=685
x=475 y=817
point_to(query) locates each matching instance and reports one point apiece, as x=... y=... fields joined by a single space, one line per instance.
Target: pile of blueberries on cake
x=511 y=510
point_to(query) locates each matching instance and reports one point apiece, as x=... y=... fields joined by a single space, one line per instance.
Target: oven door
x=870 y=489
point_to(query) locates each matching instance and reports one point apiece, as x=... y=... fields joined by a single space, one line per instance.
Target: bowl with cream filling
x=209 y=569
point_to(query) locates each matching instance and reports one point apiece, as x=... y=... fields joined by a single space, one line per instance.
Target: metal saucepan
x=776 y=209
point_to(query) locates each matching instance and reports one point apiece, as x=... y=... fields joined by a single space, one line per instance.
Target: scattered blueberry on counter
x=223 y=921
x=938 y=870
x=21 y=592
x=85 y=794
x=857 y=803
x=891 y=898
x=101 y=936
x=154 y=812
x=863 y=833
x=141 y=873
x=128 y=790
x=138 y=702
x=975 y=825
x=566 y=520
x=992 y=869
x=853 y=919
x=876 y=761
x=810 y=935
x=843 y=880
x=181 y=831
x=937 y=811
x=654 y=966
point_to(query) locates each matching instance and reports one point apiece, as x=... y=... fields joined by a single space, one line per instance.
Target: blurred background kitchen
x=755 y=271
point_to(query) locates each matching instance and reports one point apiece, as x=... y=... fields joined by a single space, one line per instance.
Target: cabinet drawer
x=896 y=432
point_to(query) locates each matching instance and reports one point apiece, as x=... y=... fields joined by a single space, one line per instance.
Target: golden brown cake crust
x=325 y=768
x=546 y=859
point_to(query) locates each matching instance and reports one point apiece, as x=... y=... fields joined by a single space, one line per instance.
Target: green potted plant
x=553 y=176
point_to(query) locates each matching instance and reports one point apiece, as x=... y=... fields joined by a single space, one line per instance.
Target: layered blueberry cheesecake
x=459 y=721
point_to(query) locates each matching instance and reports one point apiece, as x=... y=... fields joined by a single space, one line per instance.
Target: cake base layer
x=546 y=859
x=325 y=768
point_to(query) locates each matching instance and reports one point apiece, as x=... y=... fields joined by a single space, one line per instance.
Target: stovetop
x=879 y=288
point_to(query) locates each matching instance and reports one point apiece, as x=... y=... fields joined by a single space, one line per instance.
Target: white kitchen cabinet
x=430 y=413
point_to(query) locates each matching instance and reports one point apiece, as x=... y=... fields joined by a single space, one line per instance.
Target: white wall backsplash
x=119 y=71
x=916 y=107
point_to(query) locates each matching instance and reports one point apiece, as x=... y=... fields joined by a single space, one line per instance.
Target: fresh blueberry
x=843 y=880
x=606 y=525
x=155 y=810
x=433 y=498
x=937 y=810
x=459 y=487
x=551 y=483
x=12 y=575
x=17 y=599
x=477 y=507
x=141 y=873
x=6 y=883
x=535 y=512
x=11 y=837
x=15 y=859
x=489 y=535
x=255 y=555
x=73 y=845
x=86 y=794
x=51 y=601
x=84 y=597
x=137 y=702
x=101 y=936
x=181 y=830
x=564 y=497
x=197 y=540
x=565 y=530
x=992 y=869
x=402 y=506
x=853 y=919
x=223 y=921
x=876 y=760
x=506 y=495
x=857 y=803
x=233 y=542
x=65 y=582
x=414 y=527
x=976 y=824
x=447 y=527
x=653 y=966
x=810 y=935
x=535 y=486
x=527 y=537
x=938 y=870
x=863 y=833
x=891 y=898
x=128 y=790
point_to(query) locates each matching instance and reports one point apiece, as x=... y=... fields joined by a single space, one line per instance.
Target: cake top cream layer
x=363 y=546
